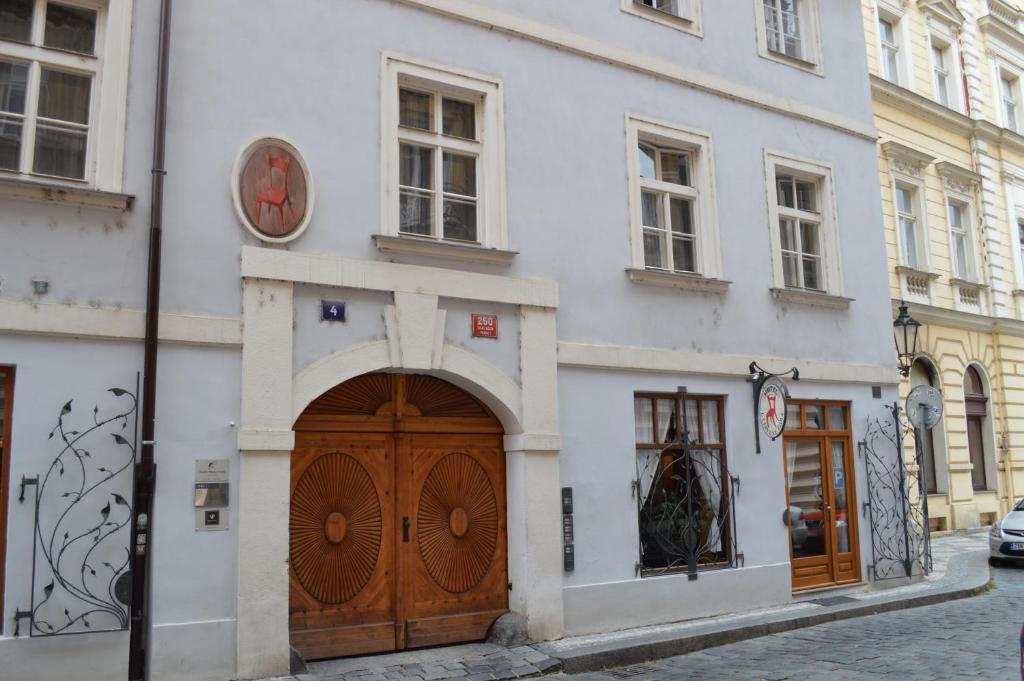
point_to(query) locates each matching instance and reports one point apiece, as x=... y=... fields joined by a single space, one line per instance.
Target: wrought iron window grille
x=686 y=516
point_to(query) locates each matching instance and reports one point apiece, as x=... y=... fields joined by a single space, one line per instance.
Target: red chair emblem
x=275 y=196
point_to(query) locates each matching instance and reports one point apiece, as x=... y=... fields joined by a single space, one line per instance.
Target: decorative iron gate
x=81 y=580
x=897 y=504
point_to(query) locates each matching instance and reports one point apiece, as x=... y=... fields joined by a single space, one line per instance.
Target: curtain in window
x=647 y=461
x=666 y=412
x=692 y=420
x=709 y=477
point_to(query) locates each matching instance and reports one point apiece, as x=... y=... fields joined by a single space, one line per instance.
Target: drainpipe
x=145 y=469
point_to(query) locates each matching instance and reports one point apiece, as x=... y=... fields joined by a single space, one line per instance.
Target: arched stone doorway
x=398 y=518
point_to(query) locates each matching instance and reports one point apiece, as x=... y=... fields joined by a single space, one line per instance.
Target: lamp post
x=904 y=330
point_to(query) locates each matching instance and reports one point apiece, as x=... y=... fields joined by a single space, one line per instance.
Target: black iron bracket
x=25 y=482
x=18 y=616
x=758 y=376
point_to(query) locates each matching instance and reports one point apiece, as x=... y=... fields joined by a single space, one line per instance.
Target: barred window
x=682 y=484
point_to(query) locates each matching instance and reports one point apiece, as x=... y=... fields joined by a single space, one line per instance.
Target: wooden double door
x=397 y=520
x=820 y=493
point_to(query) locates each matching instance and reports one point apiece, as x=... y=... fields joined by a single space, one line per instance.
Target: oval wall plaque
x=273 y=190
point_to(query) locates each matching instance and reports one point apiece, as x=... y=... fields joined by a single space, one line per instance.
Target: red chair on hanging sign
x=274 y=196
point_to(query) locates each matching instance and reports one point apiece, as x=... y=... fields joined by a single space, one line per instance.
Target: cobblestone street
x=976 y=638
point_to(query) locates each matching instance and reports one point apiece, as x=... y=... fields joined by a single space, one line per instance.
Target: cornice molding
x=958 y=178
x=967 y=321
x=994 y=26
x=943 y=10
x=913 y=271
x=903 y=99
x=906 y=160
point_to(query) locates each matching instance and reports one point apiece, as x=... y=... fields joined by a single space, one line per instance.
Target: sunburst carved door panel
x=342 y=596
x=455 y=579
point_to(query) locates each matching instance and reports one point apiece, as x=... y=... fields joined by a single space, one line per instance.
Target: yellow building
x=946 y=83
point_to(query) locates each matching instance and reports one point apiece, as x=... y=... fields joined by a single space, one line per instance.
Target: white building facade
x=501 y=252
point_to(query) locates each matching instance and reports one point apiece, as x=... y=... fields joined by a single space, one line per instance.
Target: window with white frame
x=804 y=223
x=958 y=214
x=63 y=70
x=911 y=237
x=889 y=48
x=788 y=32
x=443 y=156
x=684 y=15
x=674 y=224
x=1020 y=242
x=942 y=74
x=48 y=68
x=1008 y=88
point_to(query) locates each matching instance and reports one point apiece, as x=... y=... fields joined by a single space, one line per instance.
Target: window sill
x=814 y=67
x=793 y=295
x=686 y=282
x=52 y=192
x=687 y=24
x=914 y=272
x=410 y=245
x=964 y=283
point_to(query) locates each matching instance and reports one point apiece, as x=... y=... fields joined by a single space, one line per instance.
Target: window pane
x=415 y=212
x=643 y=417
x=709 y=415
x=415 y=110
x=460 y=220
x=787 y=234
x=938 y=58
x=684 y=255
x=459 y=174
x=842 y=506
x=886 y=29
x=960 y=245
x=458 y=118
x=59 y=151
x=812 y=273
x=10 y=143
x=793 y=417
x=909 y=229
x=652 y=210
x=892 y=69
x=976 y=448
x=941 y=89
x=647 y=166
x=805 y=196
x=815 y=417
x=64 y=96
x=903 y=202
x=682 y=216
x=692 y=418
x=675 y=167
x=653 y=249
x=784 y=184
x=12 y=87
x=809 y=238
x=955 y=216
x=416 y=166
x=70 y=28
x=837 y=418
x=16 y=20
x=791 y=269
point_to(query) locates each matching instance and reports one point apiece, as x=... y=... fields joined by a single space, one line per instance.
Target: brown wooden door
x=398 y=535
x=820 y=495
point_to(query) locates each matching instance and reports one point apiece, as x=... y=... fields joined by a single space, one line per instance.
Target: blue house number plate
x=332 y=311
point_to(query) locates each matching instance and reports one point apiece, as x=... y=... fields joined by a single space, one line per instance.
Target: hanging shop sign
x=273 y=190
x=485 y=325
x=770 y=395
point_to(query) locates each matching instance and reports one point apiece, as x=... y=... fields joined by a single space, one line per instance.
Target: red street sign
x=485 y=325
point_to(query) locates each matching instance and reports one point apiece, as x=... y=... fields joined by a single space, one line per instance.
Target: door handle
x=405 y=529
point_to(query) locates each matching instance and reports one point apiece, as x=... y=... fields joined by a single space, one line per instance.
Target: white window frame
x=947 y=47
x=966 y=202
x=486 y=92
x=907 y=168
x=687 y=15
x=918 y=205
x=705 y=211
x=810 y=59
x=904 y=76
x=108 y=67
x=1013 y=193
x=1012 y=76
x=828 y=219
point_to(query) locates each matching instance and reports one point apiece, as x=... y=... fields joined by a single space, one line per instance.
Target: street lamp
x=905 y=329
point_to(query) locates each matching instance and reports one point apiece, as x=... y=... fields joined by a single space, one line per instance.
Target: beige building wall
x=965 y=148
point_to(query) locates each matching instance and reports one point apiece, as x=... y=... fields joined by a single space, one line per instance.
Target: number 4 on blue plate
x=332 y=311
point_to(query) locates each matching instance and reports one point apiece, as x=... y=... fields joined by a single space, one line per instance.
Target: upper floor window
x=889 y=41
x=1020 y=241
x=788 y=32
x=673 y=218
x=46 y=87
x=963 y=253
x=804 y=236
x=443 y=155
x=63 y=69
x=911 y=239
x=684 y=15
x=1008 y=87
x=941 y=73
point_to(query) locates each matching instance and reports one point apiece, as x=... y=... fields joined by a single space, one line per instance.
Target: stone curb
x=609 y=655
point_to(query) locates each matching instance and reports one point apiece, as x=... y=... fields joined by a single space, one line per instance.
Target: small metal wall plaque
x=210 y=495
x=568 y=540
x=332 y=311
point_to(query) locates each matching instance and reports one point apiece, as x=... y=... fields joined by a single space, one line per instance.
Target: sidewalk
x=960 y=570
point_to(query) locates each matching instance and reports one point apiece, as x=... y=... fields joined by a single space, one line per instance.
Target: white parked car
x=1006 y=540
